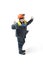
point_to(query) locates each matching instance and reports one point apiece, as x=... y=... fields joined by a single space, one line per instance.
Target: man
x=21 y=31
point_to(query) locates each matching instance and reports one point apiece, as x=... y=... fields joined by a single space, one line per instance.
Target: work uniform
x=21 y=31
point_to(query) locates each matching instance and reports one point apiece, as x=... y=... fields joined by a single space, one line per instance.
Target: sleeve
x=30 y=21
x=13 y=26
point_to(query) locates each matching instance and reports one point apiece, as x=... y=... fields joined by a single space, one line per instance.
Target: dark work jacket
x=21 y=31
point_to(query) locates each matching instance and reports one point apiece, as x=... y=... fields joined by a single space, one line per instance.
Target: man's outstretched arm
x=30 y=21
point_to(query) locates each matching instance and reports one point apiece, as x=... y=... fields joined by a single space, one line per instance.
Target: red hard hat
x=21 y=16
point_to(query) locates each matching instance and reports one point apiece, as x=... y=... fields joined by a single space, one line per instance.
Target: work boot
x=21 y=52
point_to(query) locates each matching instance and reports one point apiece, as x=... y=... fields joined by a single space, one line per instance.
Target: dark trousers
x=21 y=42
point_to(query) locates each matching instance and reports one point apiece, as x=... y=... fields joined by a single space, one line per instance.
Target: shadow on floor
x=31 y=50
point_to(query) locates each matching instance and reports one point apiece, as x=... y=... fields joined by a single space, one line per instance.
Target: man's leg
x=23 y=44
x=20 y=45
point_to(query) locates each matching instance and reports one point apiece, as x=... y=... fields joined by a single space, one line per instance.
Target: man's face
x=22 y=20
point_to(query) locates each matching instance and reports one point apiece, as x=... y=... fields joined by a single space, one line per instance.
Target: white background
x=9 y=9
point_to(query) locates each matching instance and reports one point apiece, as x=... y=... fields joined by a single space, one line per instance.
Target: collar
x=19 y=23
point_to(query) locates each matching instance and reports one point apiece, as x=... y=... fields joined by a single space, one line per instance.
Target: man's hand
x=32 y=17
x=14 y=22
x=13 y=25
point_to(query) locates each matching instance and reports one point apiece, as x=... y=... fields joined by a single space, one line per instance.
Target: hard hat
x=20 y=16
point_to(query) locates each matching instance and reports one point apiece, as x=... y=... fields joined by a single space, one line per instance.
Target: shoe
x=21 y=52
